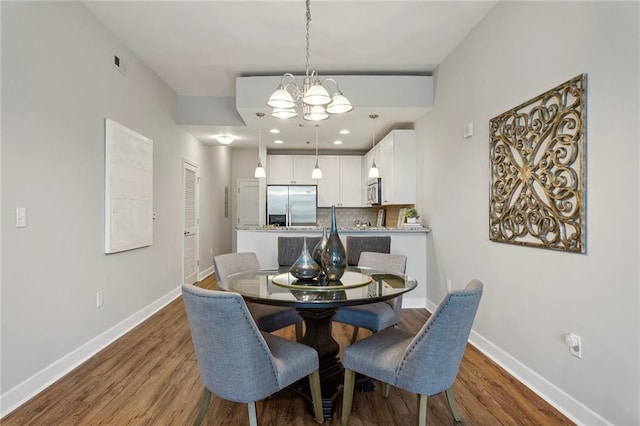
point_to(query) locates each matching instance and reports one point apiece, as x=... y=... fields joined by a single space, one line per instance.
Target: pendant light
x=260 y=173
x=373 y=171
x=317 y=173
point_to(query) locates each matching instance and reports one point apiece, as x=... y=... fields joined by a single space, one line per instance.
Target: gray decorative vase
x=319 y=248
x=317 y=256
x=334 y=256
x=304 y=268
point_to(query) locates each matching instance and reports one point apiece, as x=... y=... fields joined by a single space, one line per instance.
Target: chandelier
x=314 y=99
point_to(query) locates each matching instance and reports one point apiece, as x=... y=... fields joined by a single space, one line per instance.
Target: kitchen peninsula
x=409 y=242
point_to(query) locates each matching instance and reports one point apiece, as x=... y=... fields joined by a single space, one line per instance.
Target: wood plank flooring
x=150 y=377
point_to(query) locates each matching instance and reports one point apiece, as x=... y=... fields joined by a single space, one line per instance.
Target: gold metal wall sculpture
x=538 y=170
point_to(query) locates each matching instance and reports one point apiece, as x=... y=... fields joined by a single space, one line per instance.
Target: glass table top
x=357 y=286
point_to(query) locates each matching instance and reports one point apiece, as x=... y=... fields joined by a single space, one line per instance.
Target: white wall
x=243 y=166
x=534 y=296
x=58 y=86
x=215 y=237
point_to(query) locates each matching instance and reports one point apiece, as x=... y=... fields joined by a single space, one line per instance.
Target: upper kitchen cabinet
x=395 y=157
x=341 y=183
x=291 y=169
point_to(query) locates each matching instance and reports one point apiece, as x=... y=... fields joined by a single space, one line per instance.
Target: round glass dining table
x=317 y=303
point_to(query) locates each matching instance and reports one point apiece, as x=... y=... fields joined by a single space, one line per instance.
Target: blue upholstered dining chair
x=237 y=361
x=425 y=363
x=268 y=318
x=380 y=315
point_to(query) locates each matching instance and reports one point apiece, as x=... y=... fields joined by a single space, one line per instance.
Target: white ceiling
x=199 y=48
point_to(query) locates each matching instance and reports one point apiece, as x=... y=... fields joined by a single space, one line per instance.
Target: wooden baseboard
x=18 y=395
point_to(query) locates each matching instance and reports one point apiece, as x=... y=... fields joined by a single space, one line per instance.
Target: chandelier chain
x=307 y=46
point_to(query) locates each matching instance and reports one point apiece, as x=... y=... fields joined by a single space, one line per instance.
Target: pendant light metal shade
x=373 y=171
x=316 y=173
x=260 y=172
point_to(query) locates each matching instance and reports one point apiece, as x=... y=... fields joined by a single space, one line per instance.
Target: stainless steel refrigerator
x=291 y=205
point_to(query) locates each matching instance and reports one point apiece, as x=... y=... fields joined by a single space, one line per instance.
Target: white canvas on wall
x=128 y=189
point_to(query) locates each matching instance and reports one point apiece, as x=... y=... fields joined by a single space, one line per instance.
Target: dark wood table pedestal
x=318 y=336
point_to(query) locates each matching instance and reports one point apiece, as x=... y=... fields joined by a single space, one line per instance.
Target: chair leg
x=253 y=416
x=385 y=390
x=452 y=404
x=298 y=331
x=422 y=410
x=347 y=394
x=354 y=336
x=204 y=405
x=316 y=395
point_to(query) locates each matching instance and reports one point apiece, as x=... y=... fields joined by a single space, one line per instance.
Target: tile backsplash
x=347 y=217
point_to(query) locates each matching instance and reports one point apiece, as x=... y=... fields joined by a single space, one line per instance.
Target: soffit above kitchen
x=201 y=48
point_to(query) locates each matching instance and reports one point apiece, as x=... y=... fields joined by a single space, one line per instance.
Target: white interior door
x=247 y=207
x=190 y=243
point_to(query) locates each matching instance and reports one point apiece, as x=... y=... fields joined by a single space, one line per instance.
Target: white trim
x=576 y=411
x=26 y=390
x=204 y=274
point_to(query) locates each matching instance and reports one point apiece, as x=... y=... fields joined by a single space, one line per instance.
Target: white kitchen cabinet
x=341 y=183
x=395 y=156
x=351 y=181
x=290 y=169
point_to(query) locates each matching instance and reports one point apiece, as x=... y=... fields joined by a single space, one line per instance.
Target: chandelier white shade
x=312 y=97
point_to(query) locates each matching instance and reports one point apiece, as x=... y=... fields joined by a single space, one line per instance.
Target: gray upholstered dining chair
x=425 y=363
x=380 y=315
x=357 y=245
x=289 y=248
x=237 y=361
x=268 y=318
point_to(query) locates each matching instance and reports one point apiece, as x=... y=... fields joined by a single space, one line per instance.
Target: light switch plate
x=468 y=130
x=21 y=217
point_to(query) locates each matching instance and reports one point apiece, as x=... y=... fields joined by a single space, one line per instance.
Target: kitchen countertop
x=344 y=230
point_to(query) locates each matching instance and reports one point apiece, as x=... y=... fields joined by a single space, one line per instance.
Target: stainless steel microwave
x=374 y=192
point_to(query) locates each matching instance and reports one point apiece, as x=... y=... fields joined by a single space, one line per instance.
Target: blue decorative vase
x=305 y=268
x=334 y=256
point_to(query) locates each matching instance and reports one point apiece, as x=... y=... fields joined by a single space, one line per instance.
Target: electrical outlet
x=448 y=284
x=98 y=299
x=575 y=344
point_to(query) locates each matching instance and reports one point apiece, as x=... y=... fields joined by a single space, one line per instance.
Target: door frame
x=190 y=164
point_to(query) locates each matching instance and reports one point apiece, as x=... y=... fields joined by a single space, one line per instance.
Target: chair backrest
x=234 y=360
x=289 y=248
x=430 y=363
x=390 y=263
x=356 y=245
x=394 y=263
x=233 y=263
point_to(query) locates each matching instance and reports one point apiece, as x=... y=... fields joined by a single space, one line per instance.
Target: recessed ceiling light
x=274 y=131
x=278 y=141
x=337 y=142
x=344 y=132
x=225 y=139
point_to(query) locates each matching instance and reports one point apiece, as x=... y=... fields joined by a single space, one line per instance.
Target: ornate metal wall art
x=538 y=170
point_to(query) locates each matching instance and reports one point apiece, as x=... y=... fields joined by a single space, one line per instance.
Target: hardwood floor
x=150 y=376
